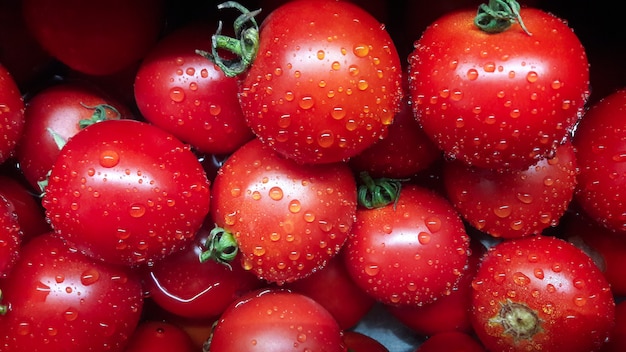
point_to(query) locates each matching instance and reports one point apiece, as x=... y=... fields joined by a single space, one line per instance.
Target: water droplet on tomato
x=372 y=269
x=276 y=193
x=362 y=85
x=59 y=278
x=301 y=338
x=579 y=283
x=70 y=314
x=520 y=279
x=502 y=211
x=532 y=77
x=361 y=50
x=423 y=237
x=109 y=158
x=472 y=74
x=556 y=84
x=433 y=223
x=137 y=210
x=353 y=70
x=525 y=198
x=580 y=301
x=177 y=94
x=489 y=67
x=89 y=276
x=309 y=217
x=326 y=139
x=320 y=54
x=306 y=102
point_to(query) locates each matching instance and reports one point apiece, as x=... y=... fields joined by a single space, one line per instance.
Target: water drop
x=361 y=50
x=89 y=276
x=362 y=85
x=472 y=74
x=489 y=67
x=320 y=54
x=276 y=193
x=306 y=102
x=109 y=158
x=70 y=314
x=177 y=94
x=372 y=269
x=521 y=279
x=294 y=206
x=137 y=210
x=502 y=211
x=525 y=198
x=423 y=237
x=532 y=77
x=338 y=113
x=335 y=65
x=433 y=224
x=326 y=139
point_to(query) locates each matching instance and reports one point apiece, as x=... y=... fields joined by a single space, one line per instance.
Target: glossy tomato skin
x=59 y=298
x=514 y=203
x=53 y=115
x=599 y=140
x=325 y=89
x=10 y=236
x=159 y=336
x=541 y=293
x=617 y=340
x=276 y=320
x=189 y=96
x=408 y=253
x=186 y=287
x=500 y=101
x=288 y=219
x=126 y=192
x=66 y=30
x=30 y=213
x=12 y=118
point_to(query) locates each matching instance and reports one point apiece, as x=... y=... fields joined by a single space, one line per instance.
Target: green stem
x=377 y=193
x=3 y=307
x=99 y=114
x=221 y=247
x=245 y=45
x=498 y=16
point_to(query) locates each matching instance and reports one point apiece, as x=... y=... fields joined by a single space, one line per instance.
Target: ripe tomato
x=599 y=141
x=410 y=252
x=159 y=336
x=59 y=299
x=187 y=287
x=11 y=114
x=187 y=95
x=55 y=114
x=514 y=203
x=498 y=100
x=451 y=341
x=127 y=30
x=10 y=236
x=28 y=209
x=617 y=340
x=325 y=83
x=288 y=219
x=126 y=192
x=358 y=342
x=275 y=320
x=541 y=293
x=346 y=301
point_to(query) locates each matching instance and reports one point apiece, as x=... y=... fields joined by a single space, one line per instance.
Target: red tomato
x=617 y=340
x=159 y=336
x=514 y=203
x=541 y=293
x=600 y=142
x=448 y=313
x=288 y=219
x=28 y=209
x=276 y=321
x=498 y=100
x=451 y=341
x=11 y=114
x=55 y=114
x=346 y=301
x=69 y=30
x=126 y=192
x=10 y=236
x=359 y=342
x=187 y=95
x=61 y=299
x=325 y=83
x=187 y=287
x=410 y=252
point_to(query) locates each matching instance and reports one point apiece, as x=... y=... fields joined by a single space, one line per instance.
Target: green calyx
x=3 y=308
x=244 y=46
x=380 y=192
x=498 y=16
x=99 y=114
x=221 y=247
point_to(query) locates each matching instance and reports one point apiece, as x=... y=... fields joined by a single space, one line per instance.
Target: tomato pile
x=316 y=175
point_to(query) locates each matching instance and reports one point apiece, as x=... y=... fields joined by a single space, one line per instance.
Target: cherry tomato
x=10 y=236
x=159 y=336
x=288 y=219
x=358 y=342
x=126 y=192
x=499 y=100
x=278 y=321
x=617 y=340
x=541 y=293
x=11 y=114
x=30 y=213
x=57 y=298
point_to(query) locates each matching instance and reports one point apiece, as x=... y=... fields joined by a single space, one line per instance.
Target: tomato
x=451 y=341
x=541 y=293
x=498 y=100
x=127 y=30
x=409 y=252
x=515 y=203
x=325 y=83
x=189 y=96
x=11 y=114
x=275 y=320
x=358 y=342
x=10 y=236
x=617 y=340
x=599 y=140
x=55 y=114
x=347 y=302
x=288 y=219
x=155 y=336
x=448 y=313
x=187 y=287
x=58 y=298
x=404 y=151
x=28 y=209
x=126 y=192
